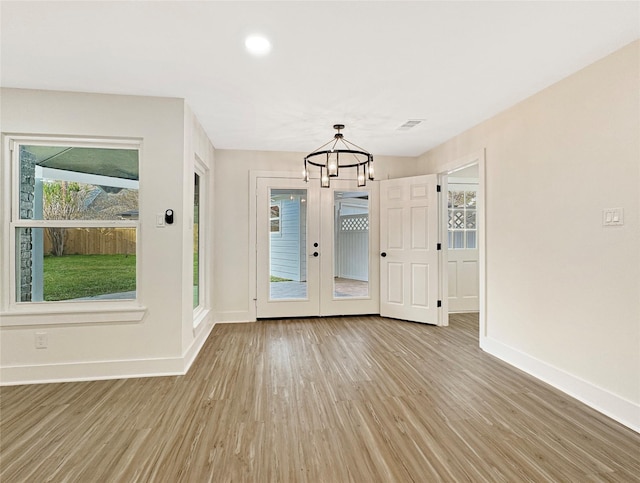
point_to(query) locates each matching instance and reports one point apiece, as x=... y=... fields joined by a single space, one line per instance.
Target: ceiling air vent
x=410 y=124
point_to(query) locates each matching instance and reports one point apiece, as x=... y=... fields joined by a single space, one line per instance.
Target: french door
x=317 y=248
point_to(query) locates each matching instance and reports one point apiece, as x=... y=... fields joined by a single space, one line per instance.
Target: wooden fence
x=96 y=241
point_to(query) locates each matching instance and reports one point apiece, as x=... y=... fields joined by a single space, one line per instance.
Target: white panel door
x=462 y=248
x=408 y=249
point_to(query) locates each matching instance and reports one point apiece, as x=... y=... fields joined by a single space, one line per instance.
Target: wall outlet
x=42 y=340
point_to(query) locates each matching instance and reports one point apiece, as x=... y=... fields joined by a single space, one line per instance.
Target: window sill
x=69 y=314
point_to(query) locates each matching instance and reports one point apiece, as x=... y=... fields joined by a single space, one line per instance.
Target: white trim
x=622 y=410
x=199 y=314
x=104 y=370
x=90 y=371
x=79 y=141
x=70 y=313
x=443 y=260
x=233 y=316
x=75 y=224
x=454 y=180
x=204 y=301
x=251 y=314
x=196 y=345
x=444 y=171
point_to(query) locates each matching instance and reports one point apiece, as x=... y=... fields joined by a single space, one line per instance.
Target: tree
x=62 y=200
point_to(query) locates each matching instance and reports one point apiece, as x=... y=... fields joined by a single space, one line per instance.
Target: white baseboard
x=202 y=334
x=235 y=316
x=622 y=410
x=102 y=370
x=90 y=371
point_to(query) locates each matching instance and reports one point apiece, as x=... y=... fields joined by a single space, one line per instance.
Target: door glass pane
x=457 y=199
x=471 y=240
x=470 y=199
x=458 y=240
x=470 y=223
x=351 y=236
x=287 y=244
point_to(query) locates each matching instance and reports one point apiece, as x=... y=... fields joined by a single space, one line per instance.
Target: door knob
x=315 y=245
x=383 y=254
x=315 y=254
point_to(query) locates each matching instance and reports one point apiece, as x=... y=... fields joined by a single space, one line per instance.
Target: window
x=274 y=217
x=462 y=227
x=74 y=221
x=200 y=242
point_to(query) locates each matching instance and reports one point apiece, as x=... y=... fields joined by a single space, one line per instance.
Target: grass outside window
x=77 y=276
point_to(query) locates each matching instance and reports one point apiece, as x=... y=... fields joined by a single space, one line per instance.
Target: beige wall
x=563 y=292
x=197 y=145
x=232 y=240
x=158 y=343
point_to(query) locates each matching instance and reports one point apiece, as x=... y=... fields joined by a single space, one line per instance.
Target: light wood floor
x=360 y=399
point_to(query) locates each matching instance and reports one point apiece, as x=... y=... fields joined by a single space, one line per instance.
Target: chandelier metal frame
x=353 y=156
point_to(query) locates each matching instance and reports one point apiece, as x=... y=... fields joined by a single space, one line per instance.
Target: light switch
x=160 y=220
x=613 y=217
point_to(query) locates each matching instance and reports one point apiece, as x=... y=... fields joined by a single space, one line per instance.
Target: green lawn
x=74 y=276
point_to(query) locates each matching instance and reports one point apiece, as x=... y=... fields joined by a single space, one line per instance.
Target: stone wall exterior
x=25 y=236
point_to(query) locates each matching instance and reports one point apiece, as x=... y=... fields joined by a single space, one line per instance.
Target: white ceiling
x=369 y=65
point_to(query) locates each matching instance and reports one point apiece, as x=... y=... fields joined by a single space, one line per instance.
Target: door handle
x=383 y=254
x=315 y=254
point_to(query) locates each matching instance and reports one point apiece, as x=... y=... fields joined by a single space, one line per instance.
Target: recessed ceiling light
x=257 y=45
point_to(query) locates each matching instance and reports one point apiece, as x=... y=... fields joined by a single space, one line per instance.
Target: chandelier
x=341 y=154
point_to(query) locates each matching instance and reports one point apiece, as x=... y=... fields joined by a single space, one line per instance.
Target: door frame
x=444 y=171
x=252 y=255
x=446 y=186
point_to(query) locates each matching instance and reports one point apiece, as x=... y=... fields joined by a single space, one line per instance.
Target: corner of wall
x=611 y=405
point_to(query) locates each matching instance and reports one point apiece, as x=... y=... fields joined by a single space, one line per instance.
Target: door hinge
x=438 y=188
x=439 y=304
x=439 y=246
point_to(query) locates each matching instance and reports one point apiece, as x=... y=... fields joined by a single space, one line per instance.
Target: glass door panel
x=351 y=240
x=349 y=271
x=288 y=244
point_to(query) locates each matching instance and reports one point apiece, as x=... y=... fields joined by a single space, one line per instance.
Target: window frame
x=464 y=188
x=277 y=203
x=202 y=309
x=16 y=313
